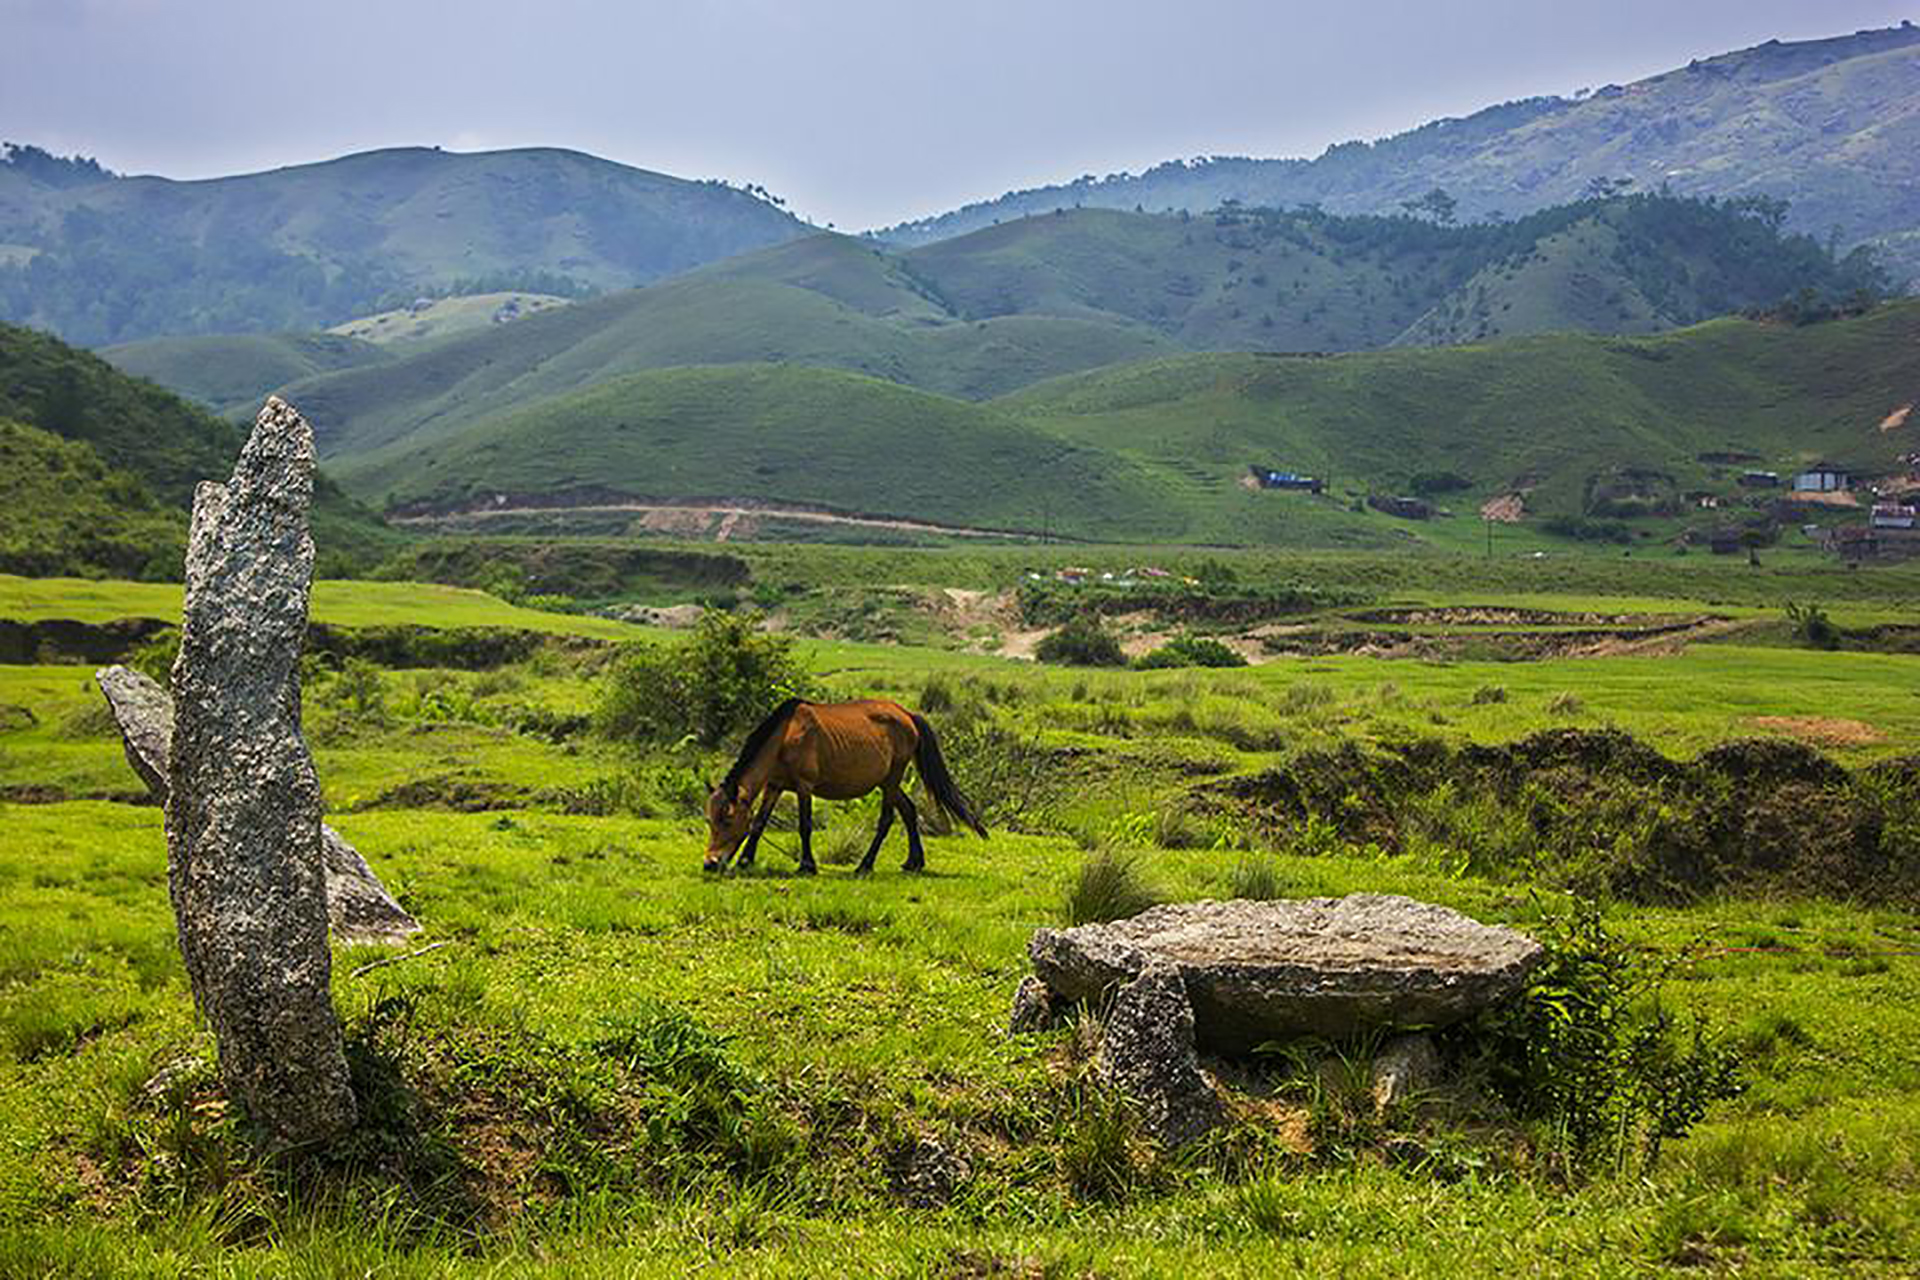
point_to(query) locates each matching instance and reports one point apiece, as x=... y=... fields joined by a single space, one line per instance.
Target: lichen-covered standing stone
x=359 y=908
x=243 y=803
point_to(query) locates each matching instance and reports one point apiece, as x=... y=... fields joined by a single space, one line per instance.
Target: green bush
x=714 y=683
x=1082 y=642
x=1811 y=624
x=1589 y=1050
x=1189 y=650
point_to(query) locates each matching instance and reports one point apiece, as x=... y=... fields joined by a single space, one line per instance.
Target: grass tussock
x=1110 y=884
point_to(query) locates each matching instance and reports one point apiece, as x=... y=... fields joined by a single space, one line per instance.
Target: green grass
x=618 y=1064
x=345 y=604
x=235 y=372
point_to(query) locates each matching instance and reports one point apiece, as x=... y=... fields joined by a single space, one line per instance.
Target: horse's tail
x=933 y=772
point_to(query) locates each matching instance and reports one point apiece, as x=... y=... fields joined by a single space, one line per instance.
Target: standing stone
x=1147 y=1053
x=243 y=804
x=359 y=908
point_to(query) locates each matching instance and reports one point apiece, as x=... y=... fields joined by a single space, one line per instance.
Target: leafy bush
x=1589 y=1050
x=1082 y=642
x=712 y=684
x=1189 y=650
x=1109 y=886
x=1811 y=624
x=1427 y=483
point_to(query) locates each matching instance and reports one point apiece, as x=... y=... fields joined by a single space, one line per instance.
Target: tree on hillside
x=1436 y=204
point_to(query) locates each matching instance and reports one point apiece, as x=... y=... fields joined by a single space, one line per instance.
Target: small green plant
x=1256 y=877
x=1109 y=886
x=1083 y=641
x=1589 y=1050
x=1489 y=694
x=1566 y=705
x=153 y=657
x=1812 y=625
x=1098 y=1150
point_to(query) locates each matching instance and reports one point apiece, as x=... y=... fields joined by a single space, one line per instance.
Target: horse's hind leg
x=916 y=856
x=879 y=836
x=806 y=833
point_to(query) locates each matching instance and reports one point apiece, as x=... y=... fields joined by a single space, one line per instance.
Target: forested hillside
x=1830 y=126
x=100 y=468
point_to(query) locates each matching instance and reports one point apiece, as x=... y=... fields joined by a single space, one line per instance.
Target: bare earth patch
x=1507 y=508
x=1897 y=419
x=1825 y=731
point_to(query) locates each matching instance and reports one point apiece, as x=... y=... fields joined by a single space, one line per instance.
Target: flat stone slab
x=1260 y=971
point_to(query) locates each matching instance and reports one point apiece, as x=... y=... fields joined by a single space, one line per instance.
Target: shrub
x=1566 y=704
x=713 y=683
x=1811 y=624
x=1189 y=650
x=1489 y=693
x=153 y=657
x=1082 y=642
x=1589 y=1050
x=1108 y=886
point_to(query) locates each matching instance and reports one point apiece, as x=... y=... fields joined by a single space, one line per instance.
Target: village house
x=1893 y=515
x=1760 y=479
x=1823 y=477
x=1270 y=479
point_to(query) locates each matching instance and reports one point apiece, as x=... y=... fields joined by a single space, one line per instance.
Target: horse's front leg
x=806 y=833
x=767 y=802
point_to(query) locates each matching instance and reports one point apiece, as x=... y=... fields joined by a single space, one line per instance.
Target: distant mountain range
x=1831 y=126
x=987 y=313
x=99 y=258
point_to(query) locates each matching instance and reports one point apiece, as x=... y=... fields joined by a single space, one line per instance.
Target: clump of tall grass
x=1488 y=694
x=1110 y=885
x=1566 y=704
x=1257 y=878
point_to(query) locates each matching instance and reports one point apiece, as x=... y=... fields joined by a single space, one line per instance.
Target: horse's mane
x=758 y=739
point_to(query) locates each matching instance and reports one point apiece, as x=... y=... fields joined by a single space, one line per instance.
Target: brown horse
x=837 y=751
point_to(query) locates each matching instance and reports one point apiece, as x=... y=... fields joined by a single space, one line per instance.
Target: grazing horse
x=837 y=751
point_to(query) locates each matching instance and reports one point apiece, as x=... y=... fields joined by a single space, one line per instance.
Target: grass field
x=618 y=1065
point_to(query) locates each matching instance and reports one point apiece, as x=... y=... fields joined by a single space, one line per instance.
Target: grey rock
x=1259 y=971
x=1033 y=1007
x=925 y=1173
x=359 y=908
x=243 y=803
x=1148 y=1055
x=1406 y=1065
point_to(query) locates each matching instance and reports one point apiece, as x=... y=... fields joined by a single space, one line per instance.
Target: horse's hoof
x=862 y=873
x=808 y=869
x=913 y=868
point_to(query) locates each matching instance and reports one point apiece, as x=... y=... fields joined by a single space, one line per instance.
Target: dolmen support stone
x=359 y=908
x=243 y=802
x=1227 y=977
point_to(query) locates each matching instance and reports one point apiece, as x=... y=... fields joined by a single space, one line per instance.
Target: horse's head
x=729 y=814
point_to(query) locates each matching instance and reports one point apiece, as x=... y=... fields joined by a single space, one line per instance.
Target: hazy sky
x=860 y=113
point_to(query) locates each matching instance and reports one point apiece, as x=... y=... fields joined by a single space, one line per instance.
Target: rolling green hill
x=234 y=372
x=1831 y=126
x=102 y=259
x=992 y=312
x=1157 y=450
x=816 y=437
x=97 y=460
